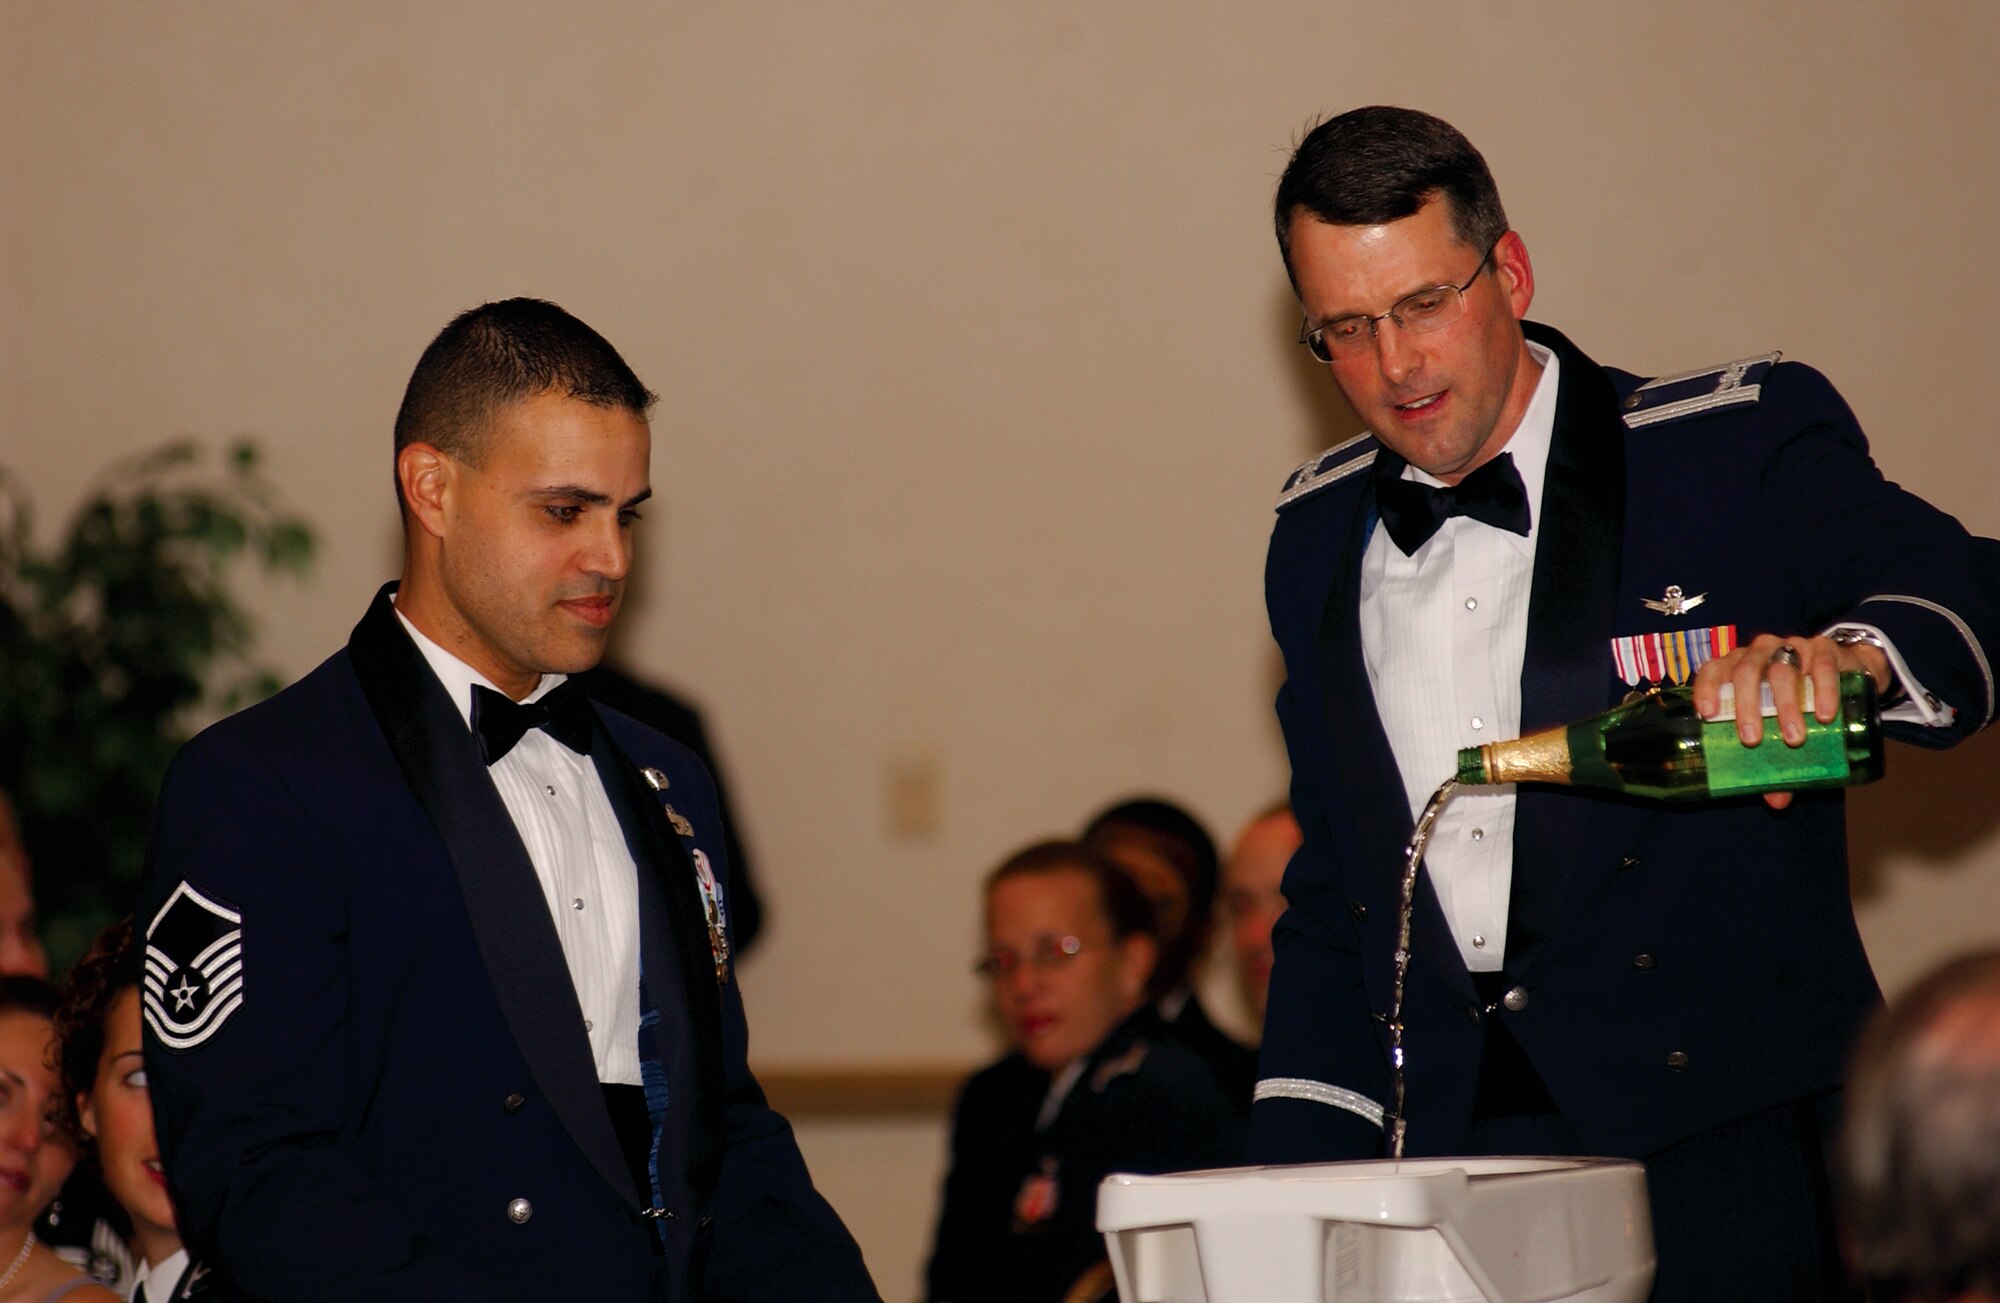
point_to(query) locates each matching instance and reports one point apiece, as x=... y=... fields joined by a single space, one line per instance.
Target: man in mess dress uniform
x=1521 y=538
x=438 y=994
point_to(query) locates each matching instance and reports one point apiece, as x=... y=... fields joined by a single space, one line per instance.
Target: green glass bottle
x=1655 y=745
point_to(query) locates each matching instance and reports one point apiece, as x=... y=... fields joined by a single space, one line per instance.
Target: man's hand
x=1751 y=665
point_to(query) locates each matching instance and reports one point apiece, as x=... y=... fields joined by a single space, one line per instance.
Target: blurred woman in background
x=35 y=1152
x=108 y=1108
x=1092 y=1085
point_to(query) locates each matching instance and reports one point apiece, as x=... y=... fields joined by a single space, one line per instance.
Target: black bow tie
x=1412 y=512
x=564 y=714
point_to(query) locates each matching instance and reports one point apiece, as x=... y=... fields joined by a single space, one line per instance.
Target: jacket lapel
x=676 y=962
x=510 y=920
x=1571 y=612
x=1361 y=749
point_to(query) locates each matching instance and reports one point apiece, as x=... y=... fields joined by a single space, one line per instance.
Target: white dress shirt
x=589 y=880
x=1444 y=634
x=160 y=1279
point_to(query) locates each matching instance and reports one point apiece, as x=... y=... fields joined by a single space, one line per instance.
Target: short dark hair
x=108 y=969
x=1178 y=838
x=1381 y=164
x=1181 y=840
x=1917 y=1168
x=1125 y=907
x=503 y=353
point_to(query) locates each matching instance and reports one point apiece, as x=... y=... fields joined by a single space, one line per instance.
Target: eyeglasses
x=1049 y=953
x=1419 y=313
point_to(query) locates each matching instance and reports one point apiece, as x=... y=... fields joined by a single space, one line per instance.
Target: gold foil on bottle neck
x=1538 y=758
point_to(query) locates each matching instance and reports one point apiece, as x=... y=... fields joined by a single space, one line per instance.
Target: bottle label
x=1767 y=703
x=1820 y=761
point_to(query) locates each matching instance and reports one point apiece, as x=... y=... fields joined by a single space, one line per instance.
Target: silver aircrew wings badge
x=1673 y=601
x=194 y=968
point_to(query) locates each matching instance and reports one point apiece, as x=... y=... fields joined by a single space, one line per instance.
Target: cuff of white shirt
x=1917 y=705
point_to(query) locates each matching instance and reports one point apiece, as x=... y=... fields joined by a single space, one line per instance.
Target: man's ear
x=1516 y=274
x=425 y=476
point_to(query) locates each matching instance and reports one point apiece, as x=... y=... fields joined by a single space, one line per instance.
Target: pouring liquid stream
x=1413 y=860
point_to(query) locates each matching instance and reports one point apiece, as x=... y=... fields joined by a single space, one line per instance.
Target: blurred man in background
x=1252 y=898
x=1918 y=1163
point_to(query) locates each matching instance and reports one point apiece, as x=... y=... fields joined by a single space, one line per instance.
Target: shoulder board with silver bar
x=1330 y=467
x=1669 y=398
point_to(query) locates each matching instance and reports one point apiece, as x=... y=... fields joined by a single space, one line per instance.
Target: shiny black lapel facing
x=676 y=962
x=1368 y=771
x=1579 y=549
x=503 y=898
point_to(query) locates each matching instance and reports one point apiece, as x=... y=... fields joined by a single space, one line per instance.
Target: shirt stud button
x=589 y=1025
x=519 y=1211
x=1479 y=834
x=1479 y=943
x=1471 y=603
x=577 y=903
x=1477 y=723
x=550 y=789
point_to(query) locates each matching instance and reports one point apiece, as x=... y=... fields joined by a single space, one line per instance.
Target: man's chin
x=577 y=654
x=1440 y=456
x=582 y=664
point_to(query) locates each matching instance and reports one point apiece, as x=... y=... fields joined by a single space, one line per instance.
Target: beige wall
x=976 y=363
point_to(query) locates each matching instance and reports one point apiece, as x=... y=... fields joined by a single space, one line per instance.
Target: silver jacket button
x=519 y=1211
x=1516 y=998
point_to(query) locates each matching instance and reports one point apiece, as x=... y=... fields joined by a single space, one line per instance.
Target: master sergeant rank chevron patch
x=194 y=968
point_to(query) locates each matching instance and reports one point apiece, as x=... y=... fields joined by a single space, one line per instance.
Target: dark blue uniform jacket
x=404 y=1105
x=1019 y=1218
x=1680 y=967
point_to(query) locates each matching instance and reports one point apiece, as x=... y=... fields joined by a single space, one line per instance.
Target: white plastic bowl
x=1433 y=1230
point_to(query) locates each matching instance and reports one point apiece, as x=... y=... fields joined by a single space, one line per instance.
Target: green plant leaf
x=111 y=643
